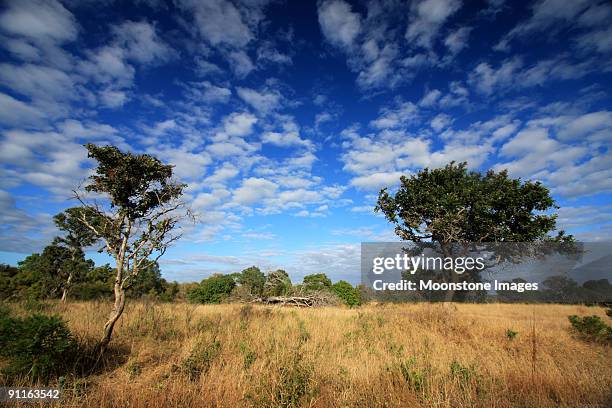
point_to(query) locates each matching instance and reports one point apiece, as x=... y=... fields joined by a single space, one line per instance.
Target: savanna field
x=411 y=355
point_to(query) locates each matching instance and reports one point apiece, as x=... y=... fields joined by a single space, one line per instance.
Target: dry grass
x=443 y=355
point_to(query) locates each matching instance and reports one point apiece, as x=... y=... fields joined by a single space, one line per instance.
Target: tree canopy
x=453 y=204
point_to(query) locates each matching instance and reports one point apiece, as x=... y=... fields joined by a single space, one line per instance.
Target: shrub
x=347 y=293
x=414 y=377
x=511 y=334
x=592 y=328
x=39 y=347
x=214 y=289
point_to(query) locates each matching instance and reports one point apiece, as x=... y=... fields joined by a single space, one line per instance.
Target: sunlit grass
x=446 y=355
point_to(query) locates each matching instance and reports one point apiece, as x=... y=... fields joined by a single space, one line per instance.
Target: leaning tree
x=135 y=211
x=453 y=209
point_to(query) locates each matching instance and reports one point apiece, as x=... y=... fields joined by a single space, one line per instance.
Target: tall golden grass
x=441 y=355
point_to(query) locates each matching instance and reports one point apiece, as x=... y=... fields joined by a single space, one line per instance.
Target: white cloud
x=430 y=98
x=264 y=101
x=222 y=174
x=545 y=14
x=239 y=124
x=427 y=18
x=376 y=181
x=597 y=124
x=339 y=24
x=288 y=137
x=40 y=20
x=440 y=122
x=16 y=112
x=240 y=63
x=141 y=42
x=219 y=22
x=401 y=115
x=253 y=190
x=36 y=81
x=113 y=98
x=457 y=40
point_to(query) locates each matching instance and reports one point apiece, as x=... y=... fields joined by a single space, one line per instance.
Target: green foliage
x=148 y=281
x=76 y=235
x=277 y=283
x=317 y=281
x=253 y=279
x=511 y=334
x=44 y=275
x=38 y=347
x=592 y=328
x=345 y=291
x=135 y=183
x=7 y=272
x=96 y=284
x=414 y=377
x=213 y=289
x=452 y=204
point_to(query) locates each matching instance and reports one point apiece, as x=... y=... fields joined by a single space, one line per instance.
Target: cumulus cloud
x=254 y=189
x=339 y=24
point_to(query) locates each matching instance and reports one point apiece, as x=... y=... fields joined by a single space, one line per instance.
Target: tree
x=213 y=289
x=42 y=275
x=254 y=279
x=76 y=237
x=454 y=208
x=317 y=281
x=277 y=283
x=147 y=282
x=136 y=218
x=345 y=291
x=7 y=272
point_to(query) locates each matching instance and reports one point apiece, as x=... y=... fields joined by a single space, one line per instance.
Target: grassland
x=443 y=355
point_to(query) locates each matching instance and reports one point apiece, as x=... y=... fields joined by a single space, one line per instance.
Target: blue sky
x=286 y=118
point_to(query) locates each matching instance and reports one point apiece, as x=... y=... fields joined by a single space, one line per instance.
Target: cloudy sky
x=286 y=117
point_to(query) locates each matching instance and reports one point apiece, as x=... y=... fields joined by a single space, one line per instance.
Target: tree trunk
x=116 y=312
x=65 y=291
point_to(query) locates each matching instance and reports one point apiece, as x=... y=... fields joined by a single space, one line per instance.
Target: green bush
x=592 y=328
x=214 y=289
x=38 y=347
x=511 y=334
x=347 y=293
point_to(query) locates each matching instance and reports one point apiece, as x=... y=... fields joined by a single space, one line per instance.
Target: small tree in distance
x=76 y=237
x=317 y=281
x=253 y=279
x=135 y=217
x=277 y=283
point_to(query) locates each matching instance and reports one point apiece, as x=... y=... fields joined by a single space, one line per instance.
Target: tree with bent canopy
x=135 y=217
x=451 y=205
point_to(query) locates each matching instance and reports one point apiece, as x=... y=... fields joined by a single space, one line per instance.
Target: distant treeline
x=253 y=285
x=42 y=276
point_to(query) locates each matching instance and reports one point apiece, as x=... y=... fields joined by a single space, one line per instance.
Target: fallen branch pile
x=315 y=299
